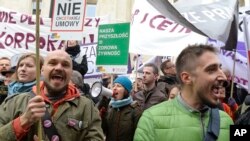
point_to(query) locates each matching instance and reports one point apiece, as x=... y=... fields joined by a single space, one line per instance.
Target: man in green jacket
x=74 y=117
x=188 y=117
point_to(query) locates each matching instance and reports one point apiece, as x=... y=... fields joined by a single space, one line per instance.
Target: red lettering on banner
x=50 y=45
x=240 y=80
x=7 y=17
x=30 y=38
x=160 y=22
x=11 y=18
x=1 y=44
x=231 y=55
x=89 y=22
x=19 y=39
x=9 y=40
x=28 y=19
x=97 y=21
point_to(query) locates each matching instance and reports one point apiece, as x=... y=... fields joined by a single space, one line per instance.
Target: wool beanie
x=125 y=82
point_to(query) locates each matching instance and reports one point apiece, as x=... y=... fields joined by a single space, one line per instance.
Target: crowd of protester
x=180 y=103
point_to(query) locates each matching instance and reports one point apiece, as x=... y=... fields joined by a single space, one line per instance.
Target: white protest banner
x=17 y=36
x=227 y=60
x=152 y=33
x=68 y=19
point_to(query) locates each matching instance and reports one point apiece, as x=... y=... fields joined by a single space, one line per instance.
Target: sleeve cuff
x=18 y=129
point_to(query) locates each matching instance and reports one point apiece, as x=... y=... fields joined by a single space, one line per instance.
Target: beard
x=53 y=91
x=207 y=101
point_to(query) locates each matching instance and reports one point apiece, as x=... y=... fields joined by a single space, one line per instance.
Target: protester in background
x=243 y=118
x=120 y=119
x=192 y=115
x=77 y=79
x=151 y=95
x=74 y=117
x=139 y=86
x=8 y=75
x=231 y=107
x=169 y=72
x=174 y=90
x=169 y=76
x=25 y=76
x=4 y=67
x=73 y=49
x=239 y=93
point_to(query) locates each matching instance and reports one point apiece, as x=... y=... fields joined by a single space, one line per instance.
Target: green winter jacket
x=78 y=109
x=172 y=121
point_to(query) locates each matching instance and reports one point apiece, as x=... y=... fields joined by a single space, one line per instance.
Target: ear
x=156 y=76
x=186 y=78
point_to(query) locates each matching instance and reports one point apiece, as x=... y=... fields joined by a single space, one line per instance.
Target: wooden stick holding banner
x=233 y=74
x=247 y=48
x=247 y=44
x=136 y=69
x=38 y=63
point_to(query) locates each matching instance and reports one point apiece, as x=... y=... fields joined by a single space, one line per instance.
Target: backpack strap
x=213 y=125
x=48 y=126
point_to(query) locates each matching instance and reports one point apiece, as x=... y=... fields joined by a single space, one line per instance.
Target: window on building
x=90 y=10
x=34 y=6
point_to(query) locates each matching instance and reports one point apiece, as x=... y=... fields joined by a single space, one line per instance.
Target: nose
x=58 y=66
x=22 y=68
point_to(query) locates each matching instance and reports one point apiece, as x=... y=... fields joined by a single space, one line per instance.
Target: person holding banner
x=74 y=117
x=193 y=115
x=73 y=49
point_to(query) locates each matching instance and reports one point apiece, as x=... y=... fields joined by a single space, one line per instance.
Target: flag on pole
x=218 y=20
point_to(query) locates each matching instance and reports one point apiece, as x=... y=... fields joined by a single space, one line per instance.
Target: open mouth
x=57 y=77
x=114 y=94
x=216 y=87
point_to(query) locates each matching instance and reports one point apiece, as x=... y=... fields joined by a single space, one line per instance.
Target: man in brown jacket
x=74 y=117
x=151 y=95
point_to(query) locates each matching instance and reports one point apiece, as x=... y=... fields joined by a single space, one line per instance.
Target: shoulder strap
x=213 y=125
x=48 y=126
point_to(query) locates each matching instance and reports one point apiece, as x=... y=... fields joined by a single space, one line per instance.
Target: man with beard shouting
x=65 y=115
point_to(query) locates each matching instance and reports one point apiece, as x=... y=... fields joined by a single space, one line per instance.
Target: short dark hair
x=187 y=59
x=155 y=68
x=164 y=65
x=4 y=58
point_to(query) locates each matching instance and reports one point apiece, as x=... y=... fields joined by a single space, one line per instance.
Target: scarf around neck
x=19 y=87
x=120 y=103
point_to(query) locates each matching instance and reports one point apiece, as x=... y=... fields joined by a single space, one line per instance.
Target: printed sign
x=112 y=51
x=68 y=19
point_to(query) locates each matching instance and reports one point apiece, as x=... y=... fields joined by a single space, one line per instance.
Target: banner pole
x=136 y=69
x=233 y=74
x=38 y=63
x=247 y=46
